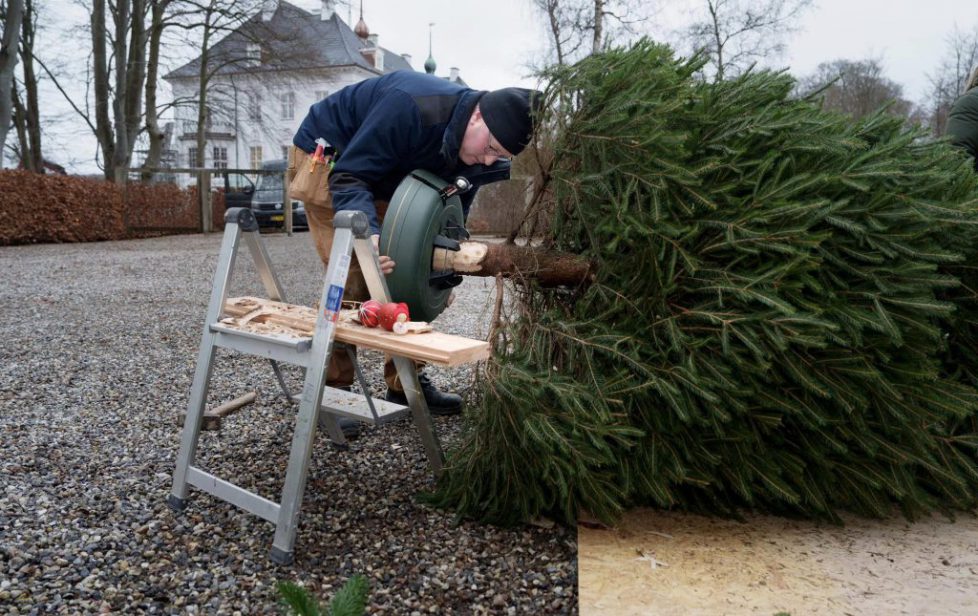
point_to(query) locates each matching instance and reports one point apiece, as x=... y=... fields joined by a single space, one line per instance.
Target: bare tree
x=556 y=22
x=13 y=14
x=576 y=28
x=118 y=72
x=949 y=79
x=214 y=20
x=737 y=33
x=163 y=15
x=119 y=79
x=160 y=19
x=26 y=112
x=857 y=88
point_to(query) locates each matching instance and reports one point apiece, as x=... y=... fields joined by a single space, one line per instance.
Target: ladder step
x=354 y=406
x=225 y=490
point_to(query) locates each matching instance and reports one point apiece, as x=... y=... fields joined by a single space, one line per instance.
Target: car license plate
x=278 y=218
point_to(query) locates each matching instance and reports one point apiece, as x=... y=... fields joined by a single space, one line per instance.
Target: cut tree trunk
x=550 y=268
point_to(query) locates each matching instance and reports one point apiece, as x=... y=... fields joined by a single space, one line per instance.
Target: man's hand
x=386 y=263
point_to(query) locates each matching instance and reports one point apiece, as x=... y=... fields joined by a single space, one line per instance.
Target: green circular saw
x=425 y=213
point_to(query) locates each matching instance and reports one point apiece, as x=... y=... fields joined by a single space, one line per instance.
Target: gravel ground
x=99 y=345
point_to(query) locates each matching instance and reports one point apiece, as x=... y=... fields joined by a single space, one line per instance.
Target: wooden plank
x=429 y=346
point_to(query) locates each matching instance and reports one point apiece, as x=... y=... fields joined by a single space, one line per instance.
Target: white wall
x=272 y=132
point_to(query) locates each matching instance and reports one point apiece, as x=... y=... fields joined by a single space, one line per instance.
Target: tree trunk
x=598 y=26
x=8 y=60
x=130 y=54
x=33 y=156
x=20 y=125
x=153 y=131
x=135 y=74
x=550 y=268
x=103 y=127
x=203 y=192
x=120 y=18
x=553 y=18
x=717 y=38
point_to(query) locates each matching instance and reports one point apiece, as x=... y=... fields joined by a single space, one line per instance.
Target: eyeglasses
x=497 y=152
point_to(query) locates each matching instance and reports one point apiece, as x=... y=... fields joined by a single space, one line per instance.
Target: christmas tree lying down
x=781 y=316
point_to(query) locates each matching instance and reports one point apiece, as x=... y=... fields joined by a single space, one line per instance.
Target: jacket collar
x=452 y=141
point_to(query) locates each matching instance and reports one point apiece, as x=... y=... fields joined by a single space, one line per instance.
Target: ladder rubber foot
x=281 y=557
x=175 y=503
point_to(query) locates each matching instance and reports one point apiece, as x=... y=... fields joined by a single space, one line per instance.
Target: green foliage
x=783 y=317
x=297 y=600
x=350 y=600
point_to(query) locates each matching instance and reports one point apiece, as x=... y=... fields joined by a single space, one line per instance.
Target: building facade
x=265 y=76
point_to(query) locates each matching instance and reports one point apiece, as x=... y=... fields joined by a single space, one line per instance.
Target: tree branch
x=57 y=84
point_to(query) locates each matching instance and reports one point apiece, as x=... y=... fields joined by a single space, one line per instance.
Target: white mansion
x=266 y=75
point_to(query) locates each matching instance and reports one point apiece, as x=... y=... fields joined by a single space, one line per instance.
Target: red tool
x=319 y=156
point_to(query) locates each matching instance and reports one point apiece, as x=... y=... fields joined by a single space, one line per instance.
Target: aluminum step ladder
x=319 y=406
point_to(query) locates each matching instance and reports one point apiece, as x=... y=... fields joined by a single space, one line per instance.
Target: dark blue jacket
x=386 y=127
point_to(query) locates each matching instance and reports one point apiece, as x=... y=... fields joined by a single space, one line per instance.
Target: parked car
x=238 y=190
x=266 y=202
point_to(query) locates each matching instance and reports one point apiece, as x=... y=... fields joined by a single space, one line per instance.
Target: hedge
x=37 y=208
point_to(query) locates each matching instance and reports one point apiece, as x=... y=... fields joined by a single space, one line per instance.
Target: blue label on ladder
x=334 y=298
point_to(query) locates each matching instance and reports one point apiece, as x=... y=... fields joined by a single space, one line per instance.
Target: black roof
x=292 y=39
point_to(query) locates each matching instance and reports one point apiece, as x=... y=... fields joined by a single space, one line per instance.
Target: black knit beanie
x=510 y=114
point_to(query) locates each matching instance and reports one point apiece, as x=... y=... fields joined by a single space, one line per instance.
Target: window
x=254 y=107
x=321 y=94
x=254 y=54
x=192 y=157
x=270 y=182
x=255 y=156
x=285 y=152
x=288 y=105
x=220 y=158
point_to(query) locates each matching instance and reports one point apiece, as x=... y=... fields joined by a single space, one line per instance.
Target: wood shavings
x=655 y=564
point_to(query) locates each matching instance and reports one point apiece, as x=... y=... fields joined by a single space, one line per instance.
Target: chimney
x=373 y=53
x=453 y=74
x=268 y=8
x=328 y=8
x=407 y=58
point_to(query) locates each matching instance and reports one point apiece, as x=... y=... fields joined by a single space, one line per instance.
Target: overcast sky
x=492 y=47
x=492 y=43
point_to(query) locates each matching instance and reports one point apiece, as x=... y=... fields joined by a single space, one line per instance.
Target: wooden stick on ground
x=212 y=418
x=229 y=407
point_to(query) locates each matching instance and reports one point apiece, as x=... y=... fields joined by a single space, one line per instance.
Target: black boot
x=350 y=427
x=439 y=402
